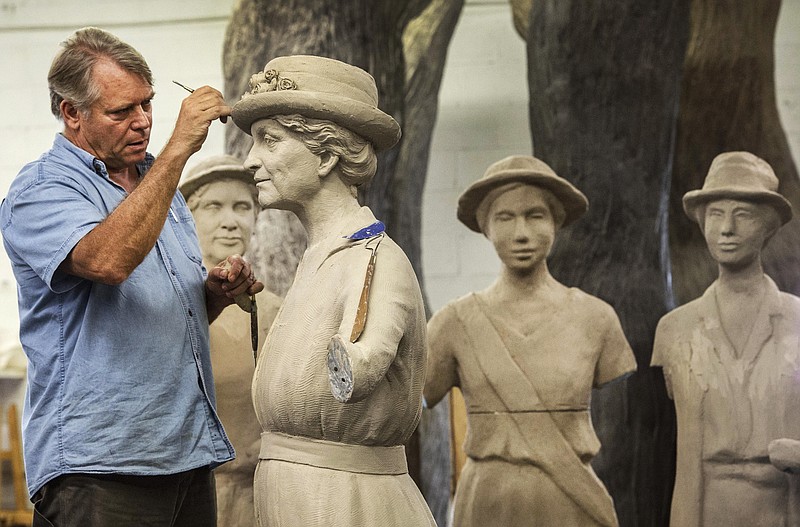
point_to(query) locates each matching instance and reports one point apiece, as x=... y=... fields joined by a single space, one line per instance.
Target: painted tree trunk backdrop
x=604 y=85
x=403 y=44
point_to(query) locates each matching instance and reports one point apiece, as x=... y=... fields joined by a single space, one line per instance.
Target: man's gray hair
x=70 y=76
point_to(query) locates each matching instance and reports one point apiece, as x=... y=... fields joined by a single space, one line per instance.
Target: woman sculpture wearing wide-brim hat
x=338 y=385
x=731 y=361
x=526 y=353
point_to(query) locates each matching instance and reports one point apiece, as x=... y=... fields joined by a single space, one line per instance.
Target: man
x=221 y=194
x=731 y=361
x=119 y=424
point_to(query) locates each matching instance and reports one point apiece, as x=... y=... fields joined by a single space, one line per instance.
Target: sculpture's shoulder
x=447 y=315
x=673 y=328
x=390 y=250
x=680 y=318
x=590 y=306
x=791 y=305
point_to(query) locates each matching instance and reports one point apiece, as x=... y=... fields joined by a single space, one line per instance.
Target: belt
x=347 y=457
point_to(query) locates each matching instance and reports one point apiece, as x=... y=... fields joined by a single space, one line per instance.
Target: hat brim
x=695 y=198
x=574 y=202
x=369 y=122
x=216 y=173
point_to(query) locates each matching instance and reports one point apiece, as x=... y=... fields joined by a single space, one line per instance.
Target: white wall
x=479 y=121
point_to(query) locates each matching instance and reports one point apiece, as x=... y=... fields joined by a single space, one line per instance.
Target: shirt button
x=191 y=313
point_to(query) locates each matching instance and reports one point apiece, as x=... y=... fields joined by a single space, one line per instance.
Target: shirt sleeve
x=616 y=356
x=442 y=372
x=45 y=221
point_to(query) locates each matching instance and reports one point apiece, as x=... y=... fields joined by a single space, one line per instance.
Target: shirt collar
x=94 y=164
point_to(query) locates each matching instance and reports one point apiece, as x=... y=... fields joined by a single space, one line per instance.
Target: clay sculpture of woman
x=338 y=385
x=222 y=197
x=731 y=361
x=526 y=353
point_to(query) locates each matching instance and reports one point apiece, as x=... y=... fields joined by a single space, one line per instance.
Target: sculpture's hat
x=212 y=169
x=740 y=176
x=320 y=88
x=523 y=169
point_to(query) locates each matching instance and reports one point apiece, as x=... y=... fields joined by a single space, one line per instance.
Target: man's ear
x=326 y=164
x=70 y=114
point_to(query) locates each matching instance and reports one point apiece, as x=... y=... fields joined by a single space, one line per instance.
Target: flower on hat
x=267 y=81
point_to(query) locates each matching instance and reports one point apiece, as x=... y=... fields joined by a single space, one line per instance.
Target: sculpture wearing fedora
x=338 y=385
x=526 y=353
x=221 y=194
x=731 y=360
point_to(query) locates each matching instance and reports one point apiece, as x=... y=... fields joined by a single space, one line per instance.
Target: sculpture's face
x=736 y=231
x=520 y=224
x=225 y=216
x=286 y=172
x=116 y=129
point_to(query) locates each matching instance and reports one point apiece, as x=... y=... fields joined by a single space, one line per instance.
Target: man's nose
x=141 y=118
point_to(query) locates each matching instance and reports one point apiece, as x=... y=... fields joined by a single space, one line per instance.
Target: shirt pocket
x=182 y=222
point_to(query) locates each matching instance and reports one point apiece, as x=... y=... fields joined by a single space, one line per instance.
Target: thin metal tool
x=190 y=90
x=254 y=327
x=363 y=302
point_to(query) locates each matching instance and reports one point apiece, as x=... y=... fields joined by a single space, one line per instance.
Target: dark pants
x=187 y=499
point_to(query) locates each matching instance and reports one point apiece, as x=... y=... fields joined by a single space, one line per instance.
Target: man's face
x=225 y=216
x=735 y=231
x=116 y=128
x=521 y=227
x=286 y=172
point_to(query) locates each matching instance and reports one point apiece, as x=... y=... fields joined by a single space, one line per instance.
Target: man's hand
x=197 y=112
x=228 y=279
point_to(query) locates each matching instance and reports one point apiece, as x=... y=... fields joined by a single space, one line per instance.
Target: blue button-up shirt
x=119 y=376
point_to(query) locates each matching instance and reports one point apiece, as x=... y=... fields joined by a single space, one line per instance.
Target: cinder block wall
x=483 y=112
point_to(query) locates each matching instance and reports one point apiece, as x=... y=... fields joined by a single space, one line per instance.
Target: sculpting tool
x=184 y=87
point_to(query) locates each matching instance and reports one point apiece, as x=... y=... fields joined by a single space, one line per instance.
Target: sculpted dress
x=729 y=407
x=232 y=363
x=325 y=462
x=529 y=437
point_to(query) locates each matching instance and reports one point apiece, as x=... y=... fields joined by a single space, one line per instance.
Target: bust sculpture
x=338 y=385
x=221 y=194
x=731 y=361
x=526 y=353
